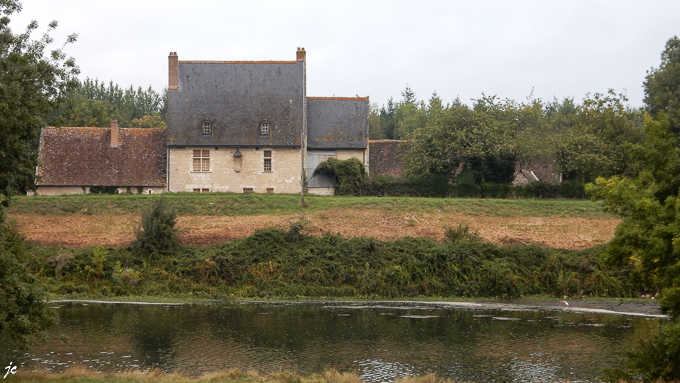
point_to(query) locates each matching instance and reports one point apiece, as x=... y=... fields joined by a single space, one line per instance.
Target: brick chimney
x=114 y=133
x=301 y=54
x=173 y=71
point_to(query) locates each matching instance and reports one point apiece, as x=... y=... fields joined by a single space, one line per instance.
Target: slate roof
x=337 y=122
x=237 y=96
x=85 y=157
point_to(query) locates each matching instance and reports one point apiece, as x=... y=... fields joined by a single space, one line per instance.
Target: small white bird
x=566 y=303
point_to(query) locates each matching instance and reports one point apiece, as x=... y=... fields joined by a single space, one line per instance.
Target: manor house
x=233 y=126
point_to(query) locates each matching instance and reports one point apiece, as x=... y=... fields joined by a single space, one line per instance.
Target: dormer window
x=264 y=128
x=207 y=128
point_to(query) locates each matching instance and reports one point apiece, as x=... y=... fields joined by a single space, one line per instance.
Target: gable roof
x=337 y=122
x=236 y=96
x=84 y=157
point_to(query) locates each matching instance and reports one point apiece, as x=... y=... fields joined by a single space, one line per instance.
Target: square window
x=201 y=161
x=267 y=154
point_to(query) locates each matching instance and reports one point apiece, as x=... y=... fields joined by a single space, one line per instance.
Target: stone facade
x=230 y=113
x=245 y=173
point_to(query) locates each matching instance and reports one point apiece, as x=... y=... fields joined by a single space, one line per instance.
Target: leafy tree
x=22 y=309
x=149 y=122
x=32 y=82
x=662 y=85
x=375 y=128
x=648 y=238
x=93 y=103
x=599 y=140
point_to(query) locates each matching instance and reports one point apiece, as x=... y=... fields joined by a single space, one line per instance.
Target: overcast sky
x=376 y=48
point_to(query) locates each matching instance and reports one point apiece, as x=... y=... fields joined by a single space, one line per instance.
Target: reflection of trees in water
x=308 y=338
x=156 y=331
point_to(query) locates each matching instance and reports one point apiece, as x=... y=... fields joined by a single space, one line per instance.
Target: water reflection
x=380 y=342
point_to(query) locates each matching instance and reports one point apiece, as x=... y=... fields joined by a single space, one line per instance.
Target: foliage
x=32 y=82
x=648 y=236
x=654 y=360
x=93 y=103
x=662 y=85
x=600 y=141
x=291 y=263
x=157 y=233
x=350 y=175
x=149 y=122
x=22 y=310
x=488 y=141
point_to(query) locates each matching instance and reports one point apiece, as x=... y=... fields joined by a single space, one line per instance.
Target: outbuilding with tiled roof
x=75 y=159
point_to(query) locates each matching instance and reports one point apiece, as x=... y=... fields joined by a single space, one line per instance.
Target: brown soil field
x=81 y=230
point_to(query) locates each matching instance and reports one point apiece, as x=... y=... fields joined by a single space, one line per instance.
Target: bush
x=157 y=233
x=653 y=360
x=350 y=175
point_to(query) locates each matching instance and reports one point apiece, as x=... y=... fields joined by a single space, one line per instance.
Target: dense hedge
x=438 y=186
x=290 y=263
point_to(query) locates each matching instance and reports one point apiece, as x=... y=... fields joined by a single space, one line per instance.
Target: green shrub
x=656 y=359
x=494 y=190
x=350 y=175
x=157 y=233
x=467 y=189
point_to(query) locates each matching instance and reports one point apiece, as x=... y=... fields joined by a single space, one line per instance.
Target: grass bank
x=291 y=264
x=279 y=204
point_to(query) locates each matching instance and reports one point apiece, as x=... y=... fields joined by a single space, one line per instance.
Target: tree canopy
x=33 y=80
x=94 y=103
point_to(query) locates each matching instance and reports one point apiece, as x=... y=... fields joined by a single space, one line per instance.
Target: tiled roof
x=85 y=157
x=337 y=122
x=236 y=97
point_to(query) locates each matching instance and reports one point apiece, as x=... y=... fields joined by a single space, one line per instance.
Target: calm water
x=379 y=341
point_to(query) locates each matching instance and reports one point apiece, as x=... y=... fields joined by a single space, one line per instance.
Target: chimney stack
x=114 y=133
x=173 y=71
x=301 y=54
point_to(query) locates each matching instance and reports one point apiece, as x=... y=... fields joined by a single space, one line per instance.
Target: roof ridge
x=339 y=98
x=235 y=62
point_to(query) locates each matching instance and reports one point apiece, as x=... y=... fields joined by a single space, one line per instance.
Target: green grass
x=281 y=204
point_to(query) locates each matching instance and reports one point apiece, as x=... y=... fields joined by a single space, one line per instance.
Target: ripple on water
x=375 y=340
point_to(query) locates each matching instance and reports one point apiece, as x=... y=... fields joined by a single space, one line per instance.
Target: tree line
x=486 y=141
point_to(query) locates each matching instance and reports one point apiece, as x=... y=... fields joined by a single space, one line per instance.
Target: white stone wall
x=223 y=176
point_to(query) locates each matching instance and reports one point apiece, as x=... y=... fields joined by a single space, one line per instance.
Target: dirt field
x=117 y=230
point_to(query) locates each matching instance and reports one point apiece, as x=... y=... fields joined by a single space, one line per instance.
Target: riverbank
x=627 y=306
x=210 y=219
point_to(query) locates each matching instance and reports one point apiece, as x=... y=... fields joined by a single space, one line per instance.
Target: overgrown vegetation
x=293 y=264
x=648 y=239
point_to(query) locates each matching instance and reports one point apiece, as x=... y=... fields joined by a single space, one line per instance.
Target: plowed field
x=80 y=230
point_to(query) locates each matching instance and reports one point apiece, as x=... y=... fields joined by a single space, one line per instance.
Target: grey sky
x=375 y=48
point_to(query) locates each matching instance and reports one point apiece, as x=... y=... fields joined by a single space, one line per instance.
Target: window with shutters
x=201 y=160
